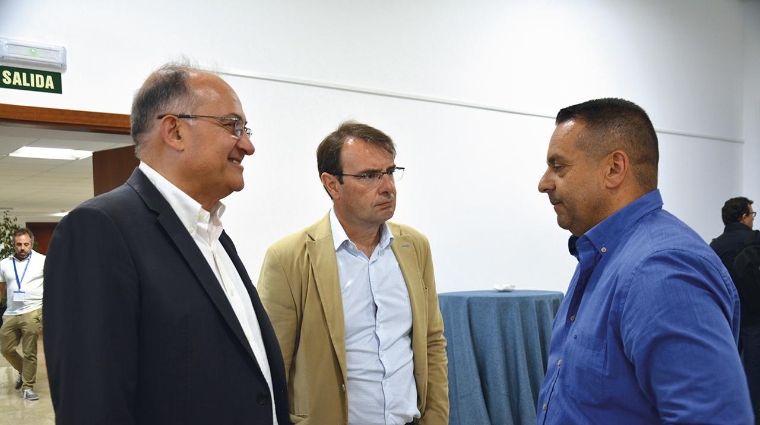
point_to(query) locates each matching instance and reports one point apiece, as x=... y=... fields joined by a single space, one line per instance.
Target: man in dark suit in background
x=151 y=316
x=738 y=216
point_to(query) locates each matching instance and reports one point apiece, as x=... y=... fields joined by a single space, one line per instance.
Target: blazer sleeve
x=437 y=403
x=90 y=307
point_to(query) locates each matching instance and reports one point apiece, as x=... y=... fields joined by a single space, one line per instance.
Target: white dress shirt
x=378 y=321
x=24 y=294
x=205 y=227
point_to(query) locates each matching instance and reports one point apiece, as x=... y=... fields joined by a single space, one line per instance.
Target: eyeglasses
x=753 y=214
x=237 y=124
x=374 y=178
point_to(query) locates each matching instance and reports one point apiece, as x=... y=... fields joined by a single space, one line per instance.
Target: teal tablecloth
x=498 y=344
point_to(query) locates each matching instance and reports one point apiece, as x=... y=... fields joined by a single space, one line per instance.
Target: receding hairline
x=194 y=78
x=200 y=86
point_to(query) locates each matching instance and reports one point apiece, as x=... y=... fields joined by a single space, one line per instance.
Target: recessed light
x=50 y=153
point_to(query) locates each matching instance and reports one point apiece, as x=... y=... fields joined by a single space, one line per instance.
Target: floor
x=14 y=410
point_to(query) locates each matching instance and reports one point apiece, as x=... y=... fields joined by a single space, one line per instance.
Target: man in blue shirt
x=647 y=332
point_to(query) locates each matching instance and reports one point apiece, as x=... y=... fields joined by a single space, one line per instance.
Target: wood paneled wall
x=111 y=168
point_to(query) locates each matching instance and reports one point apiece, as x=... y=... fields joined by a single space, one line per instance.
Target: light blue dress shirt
x=647 y=332
x=378 y=321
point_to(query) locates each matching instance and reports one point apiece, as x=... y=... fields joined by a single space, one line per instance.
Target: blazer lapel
x=267 y=331
x=406 y=255
x=187 y=247
x=325 y=270
x=272 y=348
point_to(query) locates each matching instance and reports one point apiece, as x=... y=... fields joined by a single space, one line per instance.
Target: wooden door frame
x=64 y=119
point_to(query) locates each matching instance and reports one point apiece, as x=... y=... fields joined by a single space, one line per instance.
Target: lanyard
x=28 y=260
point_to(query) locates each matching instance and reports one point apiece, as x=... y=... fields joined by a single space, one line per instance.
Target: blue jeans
x=750 y=345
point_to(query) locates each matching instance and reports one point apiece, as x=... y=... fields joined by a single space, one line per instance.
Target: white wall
x=467 y=91
x=752 y=98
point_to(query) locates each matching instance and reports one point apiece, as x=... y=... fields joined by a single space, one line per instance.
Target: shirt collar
x=189 y=211
x=606 y=235
x=339 y=234
x=736 y=226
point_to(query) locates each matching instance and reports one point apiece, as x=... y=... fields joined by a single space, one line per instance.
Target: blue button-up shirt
x=647 y=332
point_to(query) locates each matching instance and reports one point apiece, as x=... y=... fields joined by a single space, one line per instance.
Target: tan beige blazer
x=300 y=289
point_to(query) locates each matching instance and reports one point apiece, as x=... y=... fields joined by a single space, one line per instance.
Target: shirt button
x=559 y=362
x=572 y=318
x=545 y=406
x=343 y=387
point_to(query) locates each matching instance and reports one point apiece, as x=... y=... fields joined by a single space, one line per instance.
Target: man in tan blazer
x=353 y=301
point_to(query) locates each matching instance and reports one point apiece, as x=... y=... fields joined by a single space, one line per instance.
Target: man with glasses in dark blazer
x=152 y=316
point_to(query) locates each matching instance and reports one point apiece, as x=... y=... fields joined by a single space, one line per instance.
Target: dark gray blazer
x=137 y=328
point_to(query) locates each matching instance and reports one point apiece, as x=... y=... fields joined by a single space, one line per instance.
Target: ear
x=169 y=130
x=331 y=184
x=617 y=166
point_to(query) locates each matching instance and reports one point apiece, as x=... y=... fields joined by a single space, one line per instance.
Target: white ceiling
x=35 y=189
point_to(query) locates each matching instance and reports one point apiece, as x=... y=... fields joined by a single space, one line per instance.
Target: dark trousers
x=750 y=346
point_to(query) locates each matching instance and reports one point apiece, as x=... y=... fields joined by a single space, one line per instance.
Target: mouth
x=236 y=161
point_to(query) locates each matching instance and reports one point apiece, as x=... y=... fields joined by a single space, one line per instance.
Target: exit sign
x=30 y=79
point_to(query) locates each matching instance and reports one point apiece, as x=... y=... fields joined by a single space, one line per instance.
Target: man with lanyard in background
x=21 y=275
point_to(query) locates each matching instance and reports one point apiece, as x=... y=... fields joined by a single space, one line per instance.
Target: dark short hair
x=612 y=124
x=734 y=209
x=165 y=91
x=328 y=152
x=23 y=231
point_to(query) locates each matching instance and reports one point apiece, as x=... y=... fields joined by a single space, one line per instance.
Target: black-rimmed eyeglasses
x=753 y=214
x=374 y=178
x=237 y=124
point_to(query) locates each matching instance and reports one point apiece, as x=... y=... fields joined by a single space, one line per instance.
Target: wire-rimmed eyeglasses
x=374 y=178
x=237 y=124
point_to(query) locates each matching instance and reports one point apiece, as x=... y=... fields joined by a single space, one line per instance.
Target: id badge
x=18 y=296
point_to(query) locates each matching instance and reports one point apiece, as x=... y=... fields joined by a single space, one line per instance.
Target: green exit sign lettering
x=30 y=79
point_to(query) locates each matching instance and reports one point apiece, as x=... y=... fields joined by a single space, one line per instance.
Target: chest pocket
x=584 y=368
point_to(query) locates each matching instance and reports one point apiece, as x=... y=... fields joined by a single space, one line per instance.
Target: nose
x=245 y=143
x=545 y=184
x=387 y=183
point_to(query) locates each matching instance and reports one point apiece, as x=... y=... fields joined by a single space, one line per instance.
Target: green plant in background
x=8 y=226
